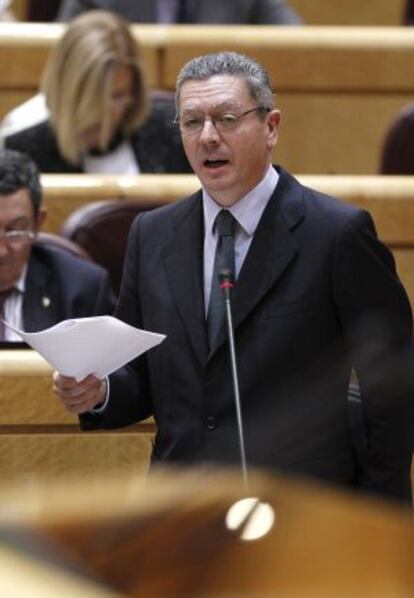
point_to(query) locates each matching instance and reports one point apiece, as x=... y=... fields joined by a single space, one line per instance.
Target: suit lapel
x=40 y=301
x=183 y=261
x=272 y=250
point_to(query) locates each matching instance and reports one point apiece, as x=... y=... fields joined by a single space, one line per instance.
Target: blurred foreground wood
x=167 y=536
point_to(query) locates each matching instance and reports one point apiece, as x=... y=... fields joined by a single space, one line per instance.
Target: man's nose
x=209 y=133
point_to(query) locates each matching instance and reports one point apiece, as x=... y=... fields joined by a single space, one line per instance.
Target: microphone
x=250 y=518
x=226 y=278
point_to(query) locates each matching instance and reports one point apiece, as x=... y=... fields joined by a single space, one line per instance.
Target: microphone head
x=226 y=278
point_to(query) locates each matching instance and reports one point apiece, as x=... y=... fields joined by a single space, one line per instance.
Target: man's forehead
x=214 y=91
x=16 y=202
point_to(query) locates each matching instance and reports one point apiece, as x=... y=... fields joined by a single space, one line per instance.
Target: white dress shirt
x=13 y=309
x=247 y=211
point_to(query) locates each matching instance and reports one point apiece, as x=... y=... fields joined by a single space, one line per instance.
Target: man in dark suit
x=39 y=285
x=254 y=12
x=316 y=294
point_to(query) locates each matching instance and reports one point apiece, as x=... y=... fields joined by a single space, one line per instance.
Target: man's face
x=228 y=163
x=16 y=213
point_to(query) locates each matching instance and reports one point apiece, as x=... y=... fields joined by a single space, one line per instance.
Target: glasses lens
x=16 y=236
x=227 y=122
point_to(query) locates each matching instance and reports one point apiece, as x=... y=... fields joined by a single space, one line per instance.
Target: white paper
x=98 y=345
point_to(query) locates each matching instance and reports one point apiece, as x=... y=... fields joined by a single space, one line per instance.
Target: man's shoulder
x=65 y=264
x=313 y=199
x=176 y=209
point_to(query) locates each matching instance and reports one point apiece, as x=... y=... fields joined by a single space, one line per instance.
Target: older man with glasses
x=315 y=295
x=39 y=286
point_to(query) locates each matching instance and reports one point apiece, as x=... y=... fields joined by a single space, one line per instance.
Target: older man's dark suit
x=61 y=286
x=317 y=293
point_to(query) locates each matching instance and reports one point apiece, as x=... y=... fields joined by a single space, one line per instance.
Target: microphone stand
x=226 y=278
x=250 y=517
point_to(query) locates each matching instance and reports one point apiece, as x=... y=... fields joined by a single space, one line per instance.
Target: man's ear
x=273 y=121
x=41 y=217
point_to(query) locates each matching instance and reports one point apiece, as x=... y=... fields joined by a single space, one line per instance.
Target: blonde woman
x=98 y=116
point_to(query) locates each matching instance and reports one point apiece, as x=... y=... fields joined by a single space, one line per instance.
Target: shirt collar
x=20 y=284
x=249 y=209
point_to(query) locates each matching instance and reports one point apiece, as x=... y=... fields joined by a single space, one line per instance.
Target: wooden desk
x=39 y=437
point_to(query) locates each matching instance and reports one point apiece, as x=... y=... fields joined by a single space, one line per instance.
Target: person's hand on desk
x=80 y=397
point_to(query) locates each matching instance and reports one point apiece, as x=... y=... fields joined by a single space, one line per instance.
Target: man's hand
x=79 y=397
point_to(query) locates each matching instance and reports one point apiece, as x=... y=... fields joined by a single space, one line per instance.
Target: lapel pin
x=45 y=301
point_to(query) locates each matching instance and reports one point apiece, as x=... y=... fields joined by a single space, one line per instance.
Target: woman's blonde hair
x=77 y=80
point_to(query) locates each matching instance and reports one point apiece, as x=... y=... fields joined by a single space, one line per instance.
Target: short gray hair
x=229 y=63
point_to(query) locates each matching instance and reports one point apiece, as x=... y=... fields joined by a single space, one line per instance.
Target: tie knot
x=225 y=223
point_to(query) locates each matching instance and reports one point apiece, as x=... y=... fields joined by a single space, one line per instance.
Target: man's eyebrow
x=222 y=106
x=19 y=220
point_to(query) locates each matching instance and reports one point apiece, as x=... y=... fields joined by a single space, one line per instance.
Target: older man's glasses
x=17 y=236
x=224 y=123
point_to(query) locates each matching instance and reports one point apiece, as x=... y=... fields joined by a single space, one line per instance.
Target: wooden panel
x=405 y=267
x=357 y=59
x=77 y=453
x=298 y=58
x=334 y=133
x=19 y=8
x=9 y=99
x=26 y=46
x=26 y=395
x=351 y=12
x=38 y=436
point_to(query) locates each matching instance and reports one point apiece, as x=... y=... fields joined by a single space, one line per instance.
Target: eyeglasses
x=224 y=123
x=18 y=236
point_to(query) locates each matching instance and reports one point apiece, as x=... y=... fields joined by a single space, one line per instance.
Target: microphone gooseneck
x=226 y=278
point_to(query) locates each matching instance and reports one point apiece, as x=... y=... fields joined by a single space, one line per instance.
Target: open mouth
x=215 y=163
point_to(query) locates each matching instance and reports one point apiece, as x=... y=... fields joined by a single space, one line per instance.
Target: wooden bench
x=338 y=87
x=390 y=200
x=39 y=437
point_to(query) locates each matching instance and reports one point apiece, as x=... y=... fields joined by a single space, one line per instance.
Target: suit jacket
x=156 y=144
x=60 y=285
x=317 y=294
x=267 y=12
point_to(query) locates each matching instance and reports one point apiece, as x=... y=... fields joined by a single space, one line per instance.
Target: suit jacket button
x=211 y=422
